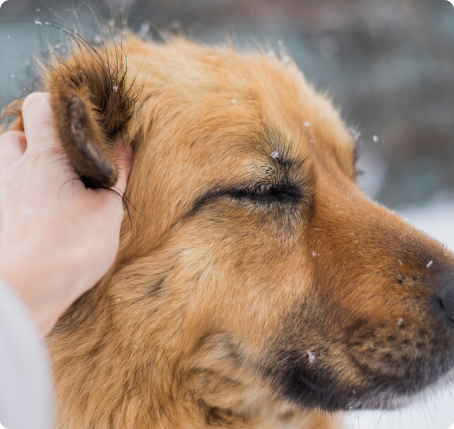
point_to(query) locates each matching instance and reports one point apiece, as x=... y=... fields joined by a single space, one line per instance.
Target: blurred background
x=388 y=65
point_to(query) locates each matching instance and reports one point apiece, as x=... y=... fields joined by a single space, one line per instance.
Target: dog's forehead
x=266 y=105
x=242 y=108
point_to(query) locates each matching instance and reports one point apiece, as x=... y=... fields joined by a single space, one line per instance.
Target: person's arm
x=25 y=381
x=57 y=239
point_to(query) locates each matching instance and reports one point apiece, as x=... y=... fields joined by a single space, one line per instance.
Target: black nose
x=445 y=300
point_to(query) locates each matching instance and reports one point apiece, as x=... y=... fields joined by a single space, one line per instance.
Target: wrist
x=37 y=275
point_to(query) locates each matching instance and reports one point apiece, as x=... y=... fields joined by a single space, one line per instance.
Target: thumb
x=39 y=124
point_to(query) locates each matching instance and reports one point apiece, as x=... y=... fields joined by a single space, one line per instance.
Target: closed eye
x=268 y=193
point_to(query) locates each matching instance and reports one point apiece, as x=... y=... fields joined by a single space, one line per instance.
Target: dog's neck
x=144 y=383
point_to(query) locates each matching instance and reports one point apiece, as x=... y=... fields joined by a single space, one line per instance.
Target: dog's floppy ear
x=92 y=102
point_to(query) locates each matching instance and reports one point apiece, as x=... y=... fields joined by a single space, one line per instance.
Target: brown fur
x=249 y=291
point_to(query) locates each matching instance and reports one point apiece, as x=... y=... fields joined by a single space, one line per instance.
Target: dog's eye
x=268 y=193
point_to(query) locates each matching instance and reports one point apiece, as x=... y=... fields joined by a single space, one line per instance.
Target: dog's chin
x=392 y=400
x=310 y=391
x=309 y=394
x=332 y=401
x=327 y=400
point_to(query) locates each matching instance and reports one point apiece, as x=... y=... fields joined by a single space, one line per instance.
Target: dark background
x=388 y=64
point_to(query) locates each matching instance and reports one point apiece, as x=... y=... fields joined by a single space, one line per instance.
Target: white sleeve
x=25 y=377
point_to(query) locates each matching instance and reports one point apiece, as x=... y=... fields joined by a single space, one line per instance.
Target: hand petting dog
x=57 y=238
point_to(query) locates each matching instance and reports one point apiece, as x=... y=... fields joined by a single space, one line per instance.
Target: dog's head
x=250 y=260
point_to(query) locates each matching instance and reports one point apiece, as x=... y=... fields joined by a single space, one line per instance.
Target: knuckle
x=6 y=136
x=3 y=138
x=12 y=146
x=12 y=136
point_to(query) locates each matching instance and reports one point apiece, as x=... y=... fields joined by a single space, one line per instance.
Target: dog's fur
x=255 y=284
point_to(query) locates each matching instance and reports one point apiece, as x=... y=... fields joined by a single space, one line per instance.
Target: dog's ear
x=93 y=101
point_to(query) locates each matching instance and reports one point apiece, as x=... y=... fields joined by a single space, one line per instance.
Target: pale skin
x=57 y=238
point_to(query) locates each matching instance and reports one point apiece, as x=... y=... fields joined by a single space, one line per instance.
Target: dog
x=255 y=285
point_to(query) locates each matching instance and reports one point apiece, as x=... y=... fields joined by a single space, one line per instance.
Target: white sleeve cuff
x=25 y=377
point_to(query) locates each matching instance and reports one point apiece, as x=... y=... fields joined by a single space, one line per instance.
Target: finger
x=12 y=147
x=39 y=124
x=124 y=154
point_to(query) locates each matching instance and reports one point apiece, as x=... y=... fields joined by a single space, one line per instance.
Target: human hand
x=57 y=238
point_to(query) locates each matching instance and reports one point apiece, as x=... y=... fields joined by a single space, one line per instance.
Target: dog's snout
x=444 y=299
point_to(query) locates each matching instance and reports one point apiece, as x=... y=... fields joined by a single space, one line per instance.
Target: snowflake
x=274 y=155
x=306 y=124
x=115 y=88
x=355 y=133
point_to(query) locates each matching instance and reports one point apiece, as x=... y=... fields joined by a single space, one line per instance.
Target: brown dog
x=255 y=284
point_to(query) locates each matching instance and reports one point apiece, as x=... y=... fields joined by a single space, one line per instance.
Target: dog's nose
x=445 y=300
